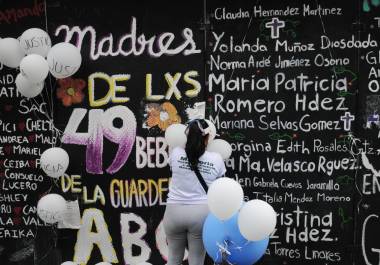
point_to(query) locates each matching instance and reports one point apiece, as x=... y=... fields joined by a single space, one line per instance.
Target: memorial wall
x=293 y=86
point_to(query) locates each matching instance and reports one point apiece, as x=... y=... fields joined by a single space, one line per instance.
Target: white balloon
x=35 y=41
x=64 y=60
x=69 y=263
x=256 y=220
x=51 y=207
x=175 y=135
x=54 y=162
x=34 y=67
x=224 y=198
x=26 y=88
x=11 y=53
x=212 y=133
x=221 y=147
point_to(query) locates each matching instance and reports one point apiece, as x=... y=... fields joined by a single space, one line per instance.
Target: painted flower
x=70 y=91
x=153 y=111
x=162 y=115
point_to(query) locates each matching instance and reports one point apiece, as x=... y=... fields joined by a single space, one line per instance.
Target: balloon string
x=228 y=240
x=46 y=18
x=237 y=246
x=47 y=95
x=51 y=85
x=44 y=102
x=56 y=133
x=223 y=251
x=53 y=128
x=50 y=103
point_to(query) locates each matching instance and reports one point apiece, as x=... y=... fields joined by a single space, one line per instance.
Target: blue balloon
x=243 y=252
x=213 y=236
x=220 y=236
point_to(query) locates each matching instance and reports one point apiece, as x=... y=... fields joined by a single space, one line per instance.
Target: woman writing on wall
x=193 y=170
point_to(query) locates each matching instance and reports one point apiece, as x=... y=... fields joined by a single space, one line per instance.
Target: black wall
x=300 y=110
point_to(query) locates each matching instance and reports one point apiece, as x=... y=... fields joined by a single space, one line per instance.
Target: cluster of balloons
x=51 y=207
x=175 y=136
x=77 y=263
x=35 y=56
x=235 y=230
x=29 y=53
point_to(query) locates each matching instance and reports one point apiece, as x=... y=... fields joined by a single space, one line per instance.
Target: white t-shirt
x=185 y=187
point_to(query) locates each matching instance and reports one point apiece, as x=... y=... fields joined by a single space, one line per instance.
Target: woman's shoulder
x=178 y=150
x=214 y=156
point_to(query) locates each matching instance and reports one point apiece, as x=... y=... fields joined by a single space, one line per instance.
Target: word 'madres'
x=131 y=43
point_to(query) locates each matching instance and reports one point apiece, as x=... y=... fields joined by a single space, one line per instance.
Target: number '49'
x=100 y=124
